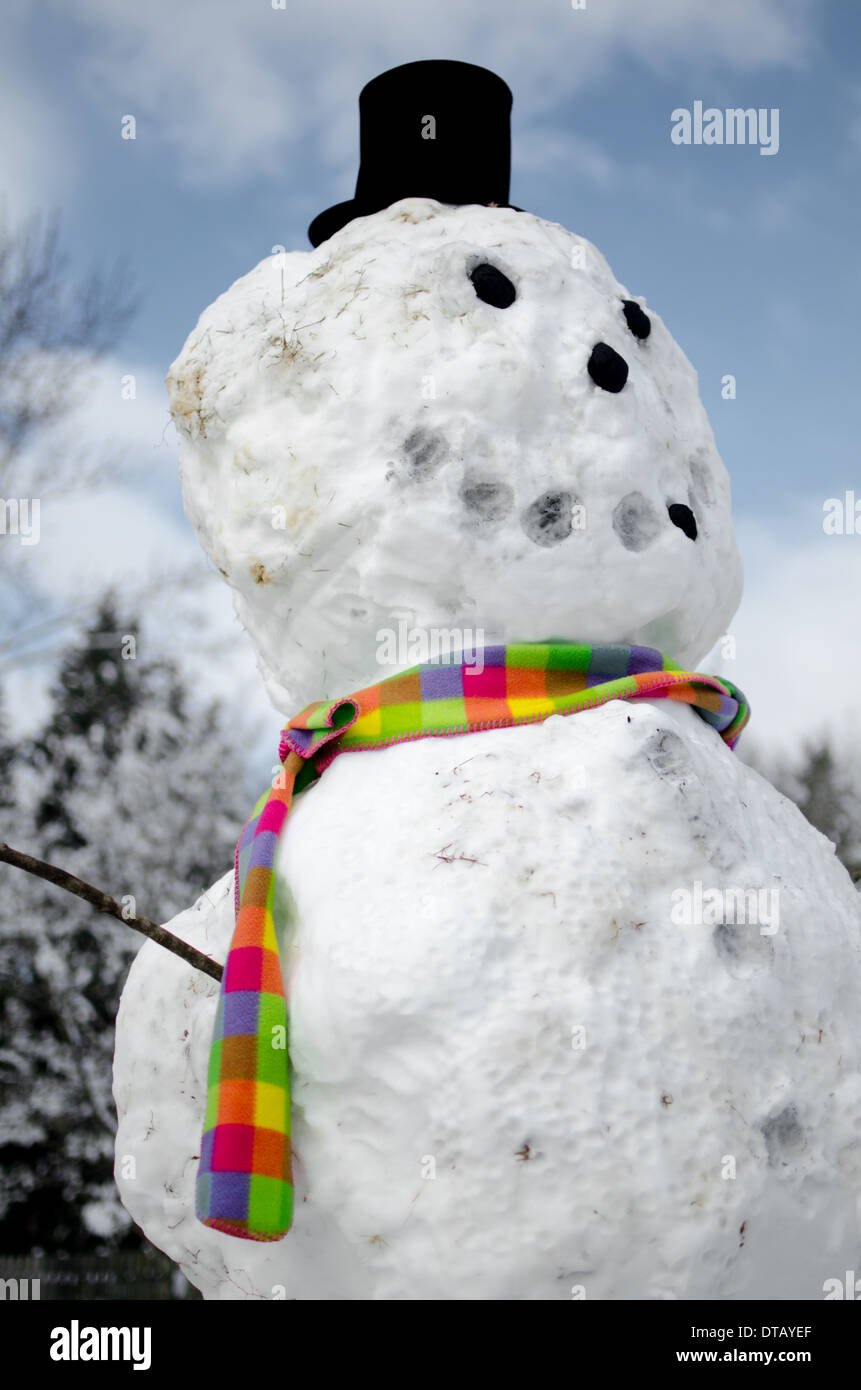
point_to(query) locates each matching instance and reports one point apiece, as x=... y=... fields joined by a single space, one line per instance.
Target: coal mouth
x=683 y=517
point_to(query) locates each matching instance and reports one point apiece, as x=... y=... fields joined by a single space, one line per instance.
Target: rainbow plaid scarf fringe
x=244 y=1181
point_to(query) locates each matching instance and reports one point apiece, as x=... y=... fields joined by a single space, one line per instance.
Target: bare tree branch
x=51 y=326
x=104 y=903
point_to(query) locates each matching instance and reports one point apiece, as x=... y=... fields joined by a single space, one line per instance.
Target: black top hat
x=461 y=155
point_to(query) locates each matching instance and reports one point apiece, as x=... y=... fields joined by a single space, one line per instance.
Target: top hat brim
x=327 y=223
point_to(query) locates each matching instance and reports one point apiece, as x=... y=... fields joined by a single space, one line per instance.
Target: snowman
x=572 y=996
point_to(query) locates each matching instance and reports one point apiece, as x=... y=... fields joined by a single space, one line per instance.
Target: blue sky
x=247 y=126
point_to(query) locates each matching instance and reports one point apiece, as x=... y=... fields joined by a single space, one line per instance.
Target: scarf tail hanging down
x=244 y=1183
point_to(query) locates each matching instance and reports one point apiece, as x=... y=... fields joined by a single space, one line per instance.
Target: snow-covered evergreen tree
x=828 y=796
x=7 y=770
x=824 y=780
x=134 y=787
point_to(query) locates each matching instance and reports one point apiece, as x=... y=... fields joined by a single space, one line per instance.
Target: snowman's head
x=443 y=420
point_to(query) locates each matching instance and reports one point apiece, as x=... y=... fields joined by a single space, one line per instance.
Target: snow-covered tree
x=140 y=790
x=829 y=799
x=7 y=769
x=824 y=781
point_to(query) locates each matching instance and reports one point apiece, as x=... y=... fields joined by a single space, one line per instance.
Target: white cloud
x=135 y=428
x=117 y=422
x=113 y=536
x=117 y=524
x=798 y=657
x=231 y=88
x=118 y=537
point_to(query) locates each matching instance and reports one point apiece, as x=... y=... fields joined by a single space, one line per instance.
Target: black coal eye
x=683 y=517
x=607 y=369
x=492 y=286
x=637 y=320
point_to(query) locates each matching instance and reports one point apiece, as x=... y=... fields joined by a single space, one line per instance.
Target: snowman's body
x=533 y=1056
x=518 y=1071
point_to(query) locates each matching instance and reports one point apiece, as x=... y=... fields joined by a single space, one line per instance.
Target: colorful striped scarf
x=244 y=1182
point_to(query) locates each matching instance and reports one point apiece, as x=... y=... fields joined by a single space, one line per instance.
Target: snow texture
x=519 y=1071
